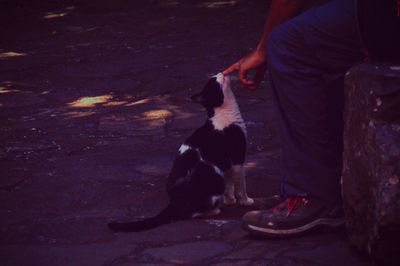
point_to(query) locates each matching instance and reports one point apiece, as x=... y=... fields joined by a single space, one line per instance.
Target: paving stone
x=20 y=99
x=131 y=263
x=337 y=253
x=234 y=263
x=63 y=255
x=231 y=231
x=188 y=252
x=258 y=249
x=134 y=126
x=170 y=233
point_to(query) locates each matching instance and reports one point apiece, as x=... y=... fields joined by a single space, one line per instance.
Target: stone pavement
x=93 y=107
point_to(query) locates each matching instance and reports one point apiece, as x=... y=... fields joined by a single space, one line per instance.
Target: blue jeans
x=308 y=57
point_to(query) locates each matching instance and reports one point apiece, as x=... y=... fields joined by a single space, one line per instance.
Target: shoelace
x=290 y=204
x=295 y=202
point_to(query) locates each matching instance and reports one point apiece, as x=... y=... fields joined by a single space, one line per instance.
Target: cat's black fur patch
x=210 y=97
x=223 y=148
x=196 y=183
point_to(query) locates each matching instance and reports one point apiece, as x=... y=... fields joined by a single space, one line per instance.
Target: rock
x=371 y=169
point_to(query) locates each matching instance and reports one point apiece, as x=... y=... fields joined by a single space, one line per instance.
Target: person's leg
x=307 y=59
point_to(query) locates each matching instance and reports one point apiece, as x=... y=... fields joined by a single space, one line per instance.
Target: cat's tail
x=168 y=215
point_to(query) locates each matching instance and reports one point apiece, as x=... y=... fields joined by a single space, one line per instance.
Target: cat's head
x=215 y=92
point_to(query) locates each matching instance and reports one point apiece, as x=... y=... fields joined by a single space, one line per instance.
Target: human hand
x=256 y=60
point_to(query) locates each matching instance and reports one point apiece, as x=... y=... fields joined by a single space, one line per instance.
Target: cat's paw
x=246 y=201
x=229 y=200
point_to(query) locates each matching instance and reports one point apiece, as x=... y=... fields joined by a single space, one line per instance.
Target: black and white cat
x=208 y=170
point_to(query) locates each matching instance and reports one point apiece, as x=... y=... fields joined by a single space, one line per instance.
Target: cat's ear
x=198 y=98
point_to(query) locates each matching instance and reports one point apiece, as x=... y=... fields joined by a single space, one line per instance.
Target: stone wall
x=371 y=170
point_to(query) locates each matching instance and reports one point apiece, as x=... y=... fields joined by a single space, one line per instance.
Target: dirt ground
x=93 y=107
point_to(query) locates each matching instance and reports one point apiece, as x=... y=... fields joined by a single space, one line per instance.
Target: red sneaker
x=293 y=216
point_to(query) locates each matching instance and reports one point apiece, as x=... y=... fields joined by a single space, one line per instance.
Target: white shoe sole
x=334 y=223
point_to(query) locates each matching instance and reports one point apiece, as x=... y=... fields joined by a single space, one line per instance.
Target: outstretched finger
x=231 y=69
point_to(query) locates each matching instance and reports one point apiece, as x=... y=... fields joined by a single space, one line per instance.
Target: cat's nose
x=220 y=78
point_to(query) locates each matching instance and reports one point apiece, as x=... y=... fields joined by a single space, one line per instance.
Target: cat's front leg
x=240 y=191
x=229 y=192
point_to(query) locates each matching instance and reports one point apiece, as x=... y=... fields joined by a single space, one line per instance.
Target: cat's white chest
x=227 y=115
